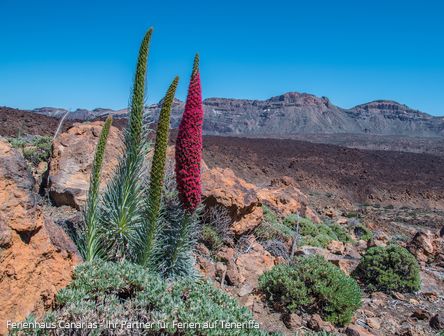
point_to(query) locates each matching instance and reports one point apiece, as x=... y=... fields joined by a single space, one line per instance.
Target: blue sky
x=82 y=53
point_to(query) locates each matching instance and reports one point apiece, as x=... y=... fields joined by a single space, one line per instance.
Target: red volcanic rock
x=244 y=200
x=37 y=257
x=71 y=162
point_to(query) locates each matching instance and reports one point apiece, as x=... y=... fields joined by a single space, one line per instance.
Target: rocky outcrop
x=71 y=162
x=427 y=247
x=244 y=200
x=240 y=198
x=36 y=256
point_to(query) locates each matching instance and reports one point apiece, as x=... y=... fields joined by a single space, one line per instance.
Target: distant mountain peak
x=389 y=107
x=301 y=98
x=384 y=104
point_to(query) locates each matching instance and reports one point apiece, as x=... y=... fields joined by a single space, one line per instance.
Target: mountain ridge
x=289 y=114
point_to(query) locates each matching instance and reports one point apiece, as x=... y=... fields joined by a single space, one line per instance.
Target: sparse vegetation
x=362 y=232
x=314 y=285
x=388 y=269
x=216 y=227
x=35 y=149
x=274 y=228
x=211 y=238
x=321 y=235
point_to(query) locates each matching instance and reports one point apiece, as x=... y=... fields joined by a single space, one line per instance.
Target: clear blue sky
x=71 y=54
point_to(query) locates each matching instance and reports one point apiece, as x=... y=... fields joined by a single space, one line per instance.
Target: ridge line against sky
x=82 y=54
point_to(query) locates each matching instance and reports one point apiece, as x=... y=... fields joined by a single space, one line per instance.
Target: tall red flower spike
x=189 y=145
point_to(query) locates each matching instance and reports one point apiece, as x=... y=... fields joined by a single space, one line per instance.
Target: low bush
x=315 y=285
x=387 y=269
x=362 y=232
x=216 y=229
x=211 y=238
x=107 y=291
x=276 y=248
x=272 y=227
x=35 y=149
x=320 y=235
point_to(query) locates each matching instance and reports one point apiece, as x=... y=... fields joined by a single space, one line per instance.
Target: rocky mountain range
x=288 y=115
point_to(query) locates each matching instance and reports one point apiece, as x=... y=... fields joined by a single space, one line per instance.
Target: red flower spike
x=189 y=145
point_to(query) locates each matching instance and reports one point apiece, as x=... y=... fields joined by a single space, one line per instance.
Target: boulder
x=36 y=256
x=254 y=263
x=292 y=321
x=316 y=323
x=346 y=264
x=373 y=323
x=285 y=198
x=71 y=162
x=356 y=330
x=244 y=200
x=223 y=187
x=421 y=314
x=336 y=247
x=425 y=246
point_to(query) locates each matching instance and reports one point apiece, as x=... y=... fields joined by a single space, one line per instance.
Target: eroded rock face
x=223 y=187
x=244 y=200
x=36 y=256
x=71 y=162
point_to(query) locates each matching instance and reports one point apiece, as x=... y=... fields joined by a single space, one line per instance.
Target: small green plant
x=105 y=291
x=35 y=149
x=321 y=235
x=387 y=269
x=314 y=285
x=211 y=238
x=17 y=143
x=272 y=227
x=362 y=232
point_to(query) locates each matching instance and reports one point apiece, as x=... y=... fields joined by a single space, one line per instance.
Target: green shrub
x=363 y=232
x=272 y=227
x=211 y=238
x=341 y=233
x=105 y=291
x=18 y=142
x=387 y=269
x=321 y=235
x=35 y=149
x=315 y=285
